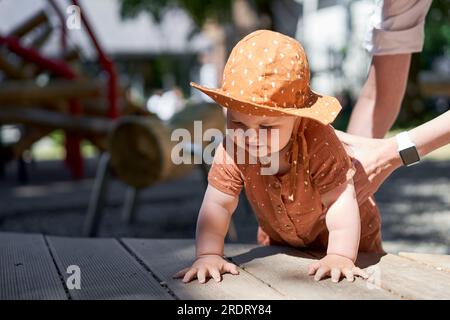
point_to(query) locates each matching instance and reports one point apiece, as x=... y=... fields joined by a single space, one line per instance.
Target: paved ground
x=415 y=206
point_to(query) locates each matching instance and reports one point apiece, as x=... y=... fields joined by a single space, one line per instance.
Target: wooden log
x=72 y=55
x=432 y=84
x=99 y=141
x=42 y=38
x=99 y=107
x=10 y=70
x=435 y=89
x=141 y=147
x=33 y=22
x=29 y=93
x=81 y=124
x=32 y=134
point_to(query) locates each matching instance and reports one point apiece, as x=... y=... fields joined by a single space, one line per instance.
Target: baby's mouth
x=257 y=148
x=253 y=146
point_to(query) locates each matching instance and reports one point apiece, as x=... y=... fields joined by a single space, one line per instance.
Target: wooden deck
x=33 y=266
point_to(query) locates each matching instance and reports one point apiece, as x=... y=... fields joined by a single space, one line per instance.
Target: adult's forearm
x=432 y=135
x=380 y=100
x=427 y=137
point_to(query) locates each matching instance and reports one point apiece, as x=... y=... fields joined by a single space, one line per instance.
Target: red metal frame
x=106 y=63
x=73 y=151
x=59 y=68
x=62 y=25
x=74 y=159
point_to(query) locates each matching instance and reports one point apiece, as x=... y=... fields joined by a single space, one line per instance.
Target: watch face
x=409 y=156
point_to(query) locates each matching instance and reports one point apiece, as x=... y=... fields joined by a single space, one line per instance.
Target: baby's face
x=257 y=144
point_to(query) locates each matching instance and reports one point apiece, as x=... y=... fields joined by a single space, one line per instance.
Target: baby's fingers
x=322 y=272
x=180 y=273
x=190 y=275
x=201 y=275
x=357 y=271
x=349 y=275
x=335 y=274
x=313 y=268
x=231 y=268
x=215 y=274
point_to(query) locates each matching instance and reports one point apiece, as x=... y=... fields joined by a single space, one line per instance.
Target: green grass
x=52 y=147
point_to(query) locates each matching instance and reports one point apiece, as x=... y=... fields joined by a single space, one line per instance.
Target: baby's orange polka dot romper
x=298 y=221
x=267 y=74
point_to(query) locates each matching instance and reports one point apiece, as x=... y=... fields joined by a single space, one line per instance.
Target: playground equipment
x=136 y=145
x=140 y=150
x=69 y=100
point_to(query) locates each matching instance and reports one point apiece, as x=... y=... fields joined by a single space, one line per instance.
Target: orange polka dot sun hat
x=267 y=74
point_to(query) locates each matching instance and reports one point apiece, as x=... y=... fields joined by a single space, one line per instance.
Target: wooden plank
x=165 y=257
x=27 y=270
x=410 y=279
x=108 y=271
x=10 y=69
x=28 y=25
x=439 y=261
x=286 y=270
x=28 y=93
x=57 y=120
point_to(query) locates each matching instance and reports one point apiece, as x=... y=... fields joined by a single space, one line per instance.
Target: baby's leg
x=262 y=237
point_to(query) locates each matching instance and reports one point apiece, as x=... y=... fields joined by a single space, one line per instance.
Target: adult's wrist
x=390 y=155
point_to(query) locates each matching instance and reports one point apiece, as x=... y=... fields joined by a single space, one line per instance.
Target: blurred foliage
x=200 y=10
x=52 y=147
x=437 y=32
x=416 y=109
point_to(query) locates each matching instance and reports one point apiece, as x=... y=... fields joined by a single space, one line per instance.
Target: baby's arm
x=212 y=225
x=343 y=223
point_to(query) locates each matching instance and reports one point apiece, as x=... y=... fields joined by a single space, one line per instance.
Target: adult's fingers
x=363 y=194
x=343 y=136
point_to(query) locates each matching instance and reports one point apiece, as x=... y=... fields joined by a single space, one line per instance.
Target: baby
x=308 y=199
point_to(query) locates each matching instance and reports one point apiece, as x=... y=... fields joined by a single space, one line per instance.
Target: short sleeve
x=397 y=27
x=224 y=174
x=329 y=164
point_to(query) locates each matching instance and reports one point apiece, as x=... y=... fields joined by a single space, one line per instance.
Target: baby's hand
x=211 y=266
x=335 y=265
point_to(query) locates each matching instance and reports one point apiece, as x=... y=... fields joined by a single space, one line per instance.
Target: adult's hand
x=377 y=157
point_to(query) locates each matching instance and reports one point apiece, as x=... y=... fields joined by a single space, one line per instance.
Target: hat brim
x=323 y=109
